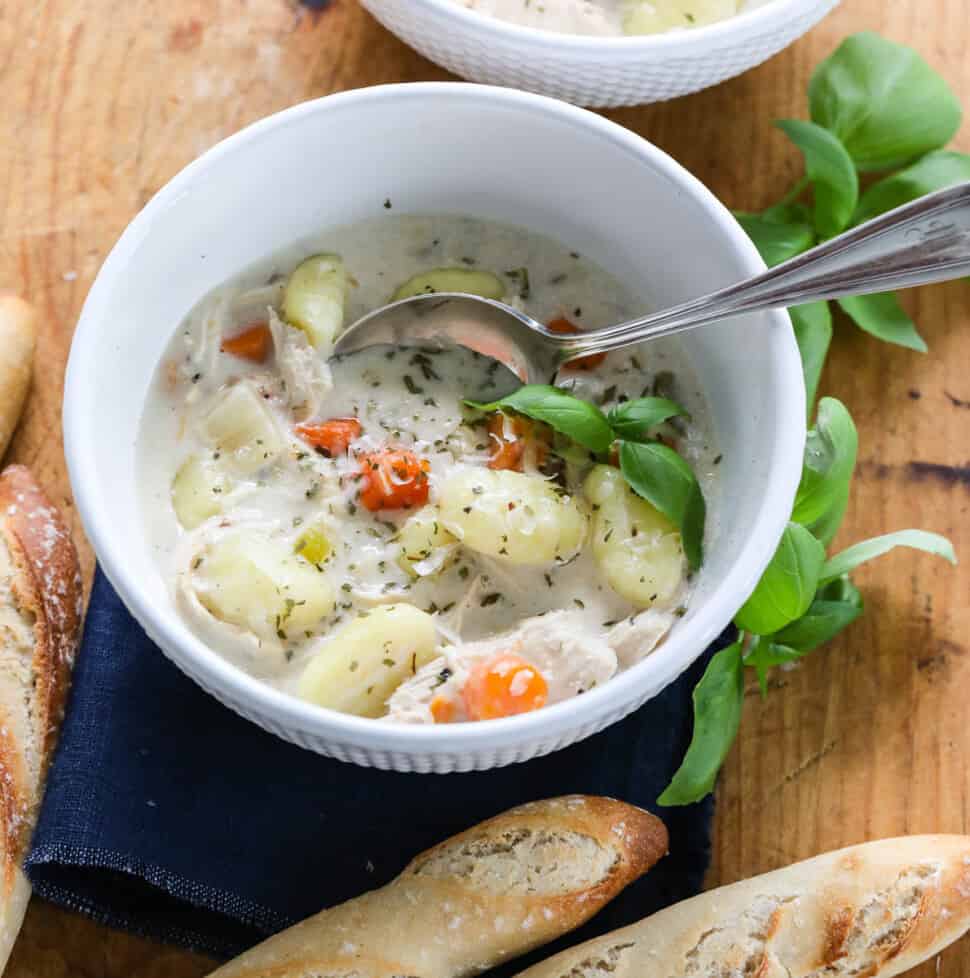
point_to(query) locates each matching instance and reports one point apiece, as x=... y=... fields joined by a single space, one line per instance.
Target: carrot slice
x=330 y=437
x=503 y=686
x=252 y=343
x=443 y=709
x=394 y=479
x=510 y=436
x=563 y=325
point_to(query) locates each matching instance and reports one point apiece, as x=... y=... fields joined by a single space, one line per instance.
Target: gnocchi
x=198 y=491
x=257 y=583
x=241 y=427
x=657 y=16
x=358 y=668
x=468 y=280
x=314 y=299
x=426 y=546
x=637 y=549
x=518 y=518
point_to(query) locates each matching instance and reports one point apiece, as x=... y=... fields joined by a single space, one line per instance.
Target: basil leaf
x=666 y=481
x=858 y=554
x=718 y=701
x=775 y=240
x=793 y=212
x=841 y=589
x=764 y=654
x=821 y=623
x=788 y=585
x=577 y=419
x=830 y=456
x=812 y=323
x=935 y=171
x=633 y=419
x=833 y=175
x=883 y=317
x=883 y=101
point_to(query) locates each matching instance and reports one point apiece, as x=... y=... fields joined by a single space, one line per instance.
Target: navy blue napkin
x=168 y=815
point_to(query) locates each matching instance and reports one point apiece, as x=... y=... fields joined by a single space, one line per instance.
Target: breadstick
x=40 y=620
x=872 y=911
x=18 y=336
x=496 y=891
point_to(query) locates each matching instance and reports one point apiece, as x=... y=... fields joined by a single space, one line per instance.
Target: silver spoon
x=925 y=241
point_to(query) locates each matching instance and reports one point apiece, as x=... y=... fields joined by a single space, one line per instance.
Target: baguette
x=871 y=911
x=496 y=891
x=40 y=614
x=18 y=336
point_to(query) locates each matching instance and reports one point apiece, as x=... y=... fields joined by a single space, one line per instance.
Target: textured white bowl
x=596 y=71
x=522 y=159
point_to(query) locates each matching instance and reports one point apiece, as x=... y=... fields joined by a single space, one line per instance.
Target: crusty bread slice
x=871 y=911
x=18 y=337
x=40 y=615
x=496 y=891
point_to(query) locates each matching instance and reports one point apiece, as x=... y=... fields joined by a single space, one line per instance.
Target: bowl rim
x=668 y=41
x=598 y=708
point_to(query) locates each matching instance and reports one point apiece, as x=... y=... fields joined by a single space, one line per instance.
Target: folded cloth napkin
x=168 y=815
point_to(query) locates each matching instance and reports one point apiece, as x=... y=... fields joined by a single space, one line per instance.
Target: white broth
x=353 y=533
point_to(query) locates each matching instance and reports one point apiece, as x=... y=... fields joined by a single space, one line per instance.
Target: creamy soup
x=610 y=17
x=354 y=533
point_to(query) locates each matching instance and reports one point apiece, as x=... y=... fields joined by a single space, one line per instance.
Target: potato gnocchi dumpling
x=467 y=280
x=426 y=546
x=256 y=582
x=314 y=299
x=637 y=549
x=521 y=519
x=656 y=16
x=241 y=427
x=358 y=668
x=198 y=491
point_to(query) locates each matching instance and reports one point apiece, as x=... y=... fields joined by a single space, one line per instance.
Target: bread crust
x=41 y=594
x=18 y=337
x=501 y=888
x=870 y=911
x=48 y=585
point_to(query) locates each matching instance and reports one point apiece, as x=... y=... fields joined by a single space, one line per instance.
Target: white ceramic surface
x=596 y=71
x=522 y=159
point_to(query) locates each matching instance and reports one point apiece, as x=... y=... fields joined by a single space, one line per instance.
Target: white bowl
x=522 y=159
x=596 y=71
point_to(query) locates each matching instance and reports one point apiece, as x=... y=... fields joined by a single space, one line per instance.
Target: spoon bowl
x=485 y=326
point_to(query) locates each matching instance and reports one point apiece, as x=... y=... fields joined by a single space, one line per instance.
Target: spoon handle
x=924 y=241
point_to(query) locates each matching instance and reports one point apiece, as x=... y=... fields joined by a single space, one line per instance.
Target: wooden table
x=103 y=102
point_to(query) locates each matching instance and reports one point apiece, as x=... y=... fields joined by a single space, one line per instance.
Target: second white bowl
x=596 y=71
x=520 y=159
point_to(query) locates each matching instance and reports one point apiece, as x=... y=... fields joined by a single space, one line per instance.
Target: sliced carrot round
x=503 y=686
x=443 y=709
x=394 y=479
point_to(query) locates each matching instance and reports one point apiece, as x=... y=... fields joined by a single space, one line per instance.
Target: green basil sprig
x=652 y=470
x=718 y=701
x=874 y=105
x=802 y=601
x=883 y=101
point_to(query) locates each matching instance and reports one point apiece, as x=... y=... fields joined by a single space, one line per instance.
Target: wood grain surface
x=104 y=101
